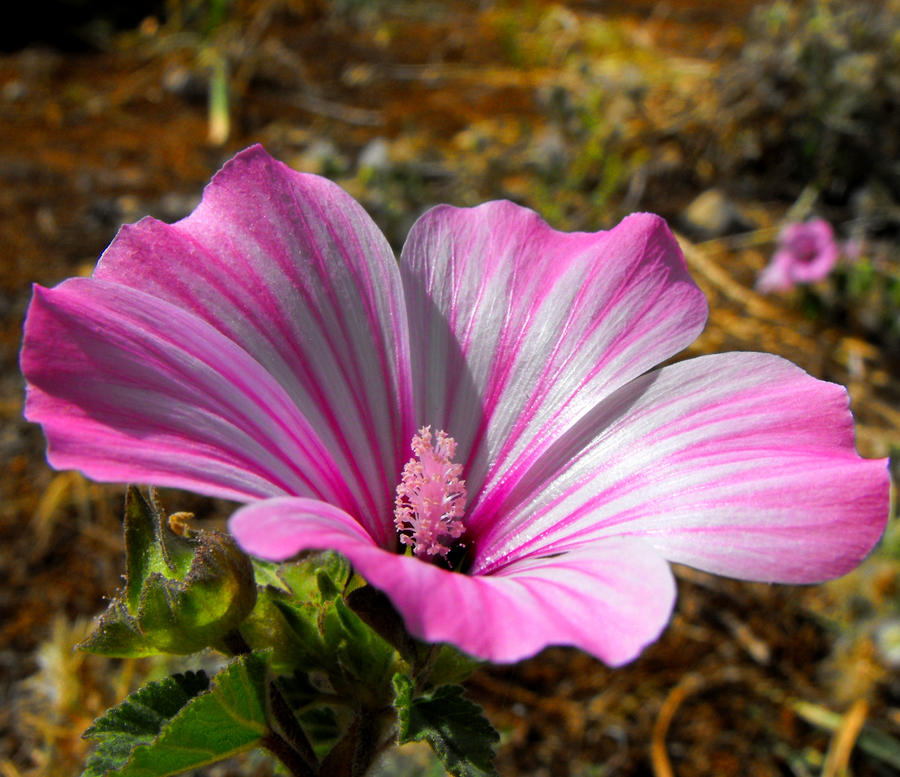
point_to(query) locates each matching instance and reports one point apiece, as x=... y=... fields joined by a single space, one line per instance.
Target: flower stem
x=355 y=753
x=287 y=755
x=294 y=751
x=287 y=721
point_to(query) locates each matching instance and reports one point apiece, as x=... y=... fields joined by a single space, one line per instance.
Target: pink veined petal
x=131 y=388
x=284 y=526
x=776 y=275
x=519 y=330
x=293 y=270
x=611 y=599
x=740 y=464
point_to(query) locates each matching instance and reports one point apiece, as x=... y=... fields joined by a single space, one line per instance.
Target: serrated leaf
x=139 y=719
x=226 y=719
x=460 y=735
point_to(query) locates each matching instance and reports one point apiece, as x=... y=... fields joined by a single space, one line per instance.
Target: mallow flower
x=805 y=252
x=480 y=428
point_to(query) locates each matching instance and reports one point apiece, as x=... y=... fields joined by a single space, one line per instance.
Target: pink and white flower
x=805 y=252
x=270 y=349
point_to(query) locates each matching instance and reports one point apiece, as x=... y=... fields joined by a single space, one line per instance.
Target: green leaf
x=302 y=618
x=183 y=723
x=303 y=576
x=139 y=719
x=360 y=652
x=267 y=574
x=377 y=611
x=455 y=727
x=267 y=627
x=451 y=666
x=292 y=614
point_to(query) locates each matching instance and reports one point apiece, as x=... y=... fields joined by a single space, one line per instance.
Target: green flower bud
x=183 y=591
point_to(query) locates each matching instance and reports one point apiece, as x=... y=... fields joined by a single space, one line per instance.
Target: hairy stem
x=294 y=745
x=289 y=757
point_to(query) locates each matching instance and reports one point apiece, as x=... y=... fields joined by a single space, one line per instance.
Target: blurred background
x=732 y=120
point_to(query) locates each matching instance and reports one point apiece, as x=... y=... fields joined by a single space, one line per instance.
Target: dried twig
x=844 y=740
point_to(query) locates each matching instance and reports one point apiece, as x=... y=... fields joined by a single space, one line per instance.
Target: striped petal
x=587 y=598
x=129 y=387
x=518 y=330
x=739 y=464
x=291 y=269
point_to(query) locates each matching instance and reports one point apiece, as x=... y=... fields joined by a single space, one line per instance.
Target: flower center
x=431 y=497
x=807 y=250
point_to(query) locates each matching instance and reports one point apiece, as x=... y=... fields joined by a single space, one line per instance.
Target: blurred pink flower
x=269 y=348
x=804 y=253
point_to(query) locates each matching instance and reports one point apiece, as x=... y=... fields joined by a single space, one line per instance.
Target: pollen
x=431 y=497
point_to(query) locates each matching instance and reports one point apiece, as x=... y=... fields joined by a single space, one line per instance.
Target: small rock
x=46 y=222
x=184 y=83
x=173 y=206
x=887 y=640
x=713 y=215
x=375 y=156
x=14 y=91
x=548 y=152
x=320 y=157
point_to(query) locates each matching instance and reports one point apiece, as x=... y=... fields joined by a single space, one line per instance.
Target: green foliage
x=365 y=661
x=319 y=633
x=181 y=593
x=301 y=615
x=450 y=666
x=455 y=727
x=322 y=657
x=182 y=723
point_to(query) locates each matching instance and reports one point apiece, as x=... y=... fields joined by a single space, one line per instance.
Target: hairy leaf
x=183 y=723
x=455 y=727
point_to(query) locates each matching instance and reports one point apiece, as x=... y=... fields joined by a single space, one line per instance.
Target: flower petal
x=277 y=529
x=129 y=387
x=610 y=600
x=519 y=330
x=739 y=464
x=293 y=270
x=776 y=275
